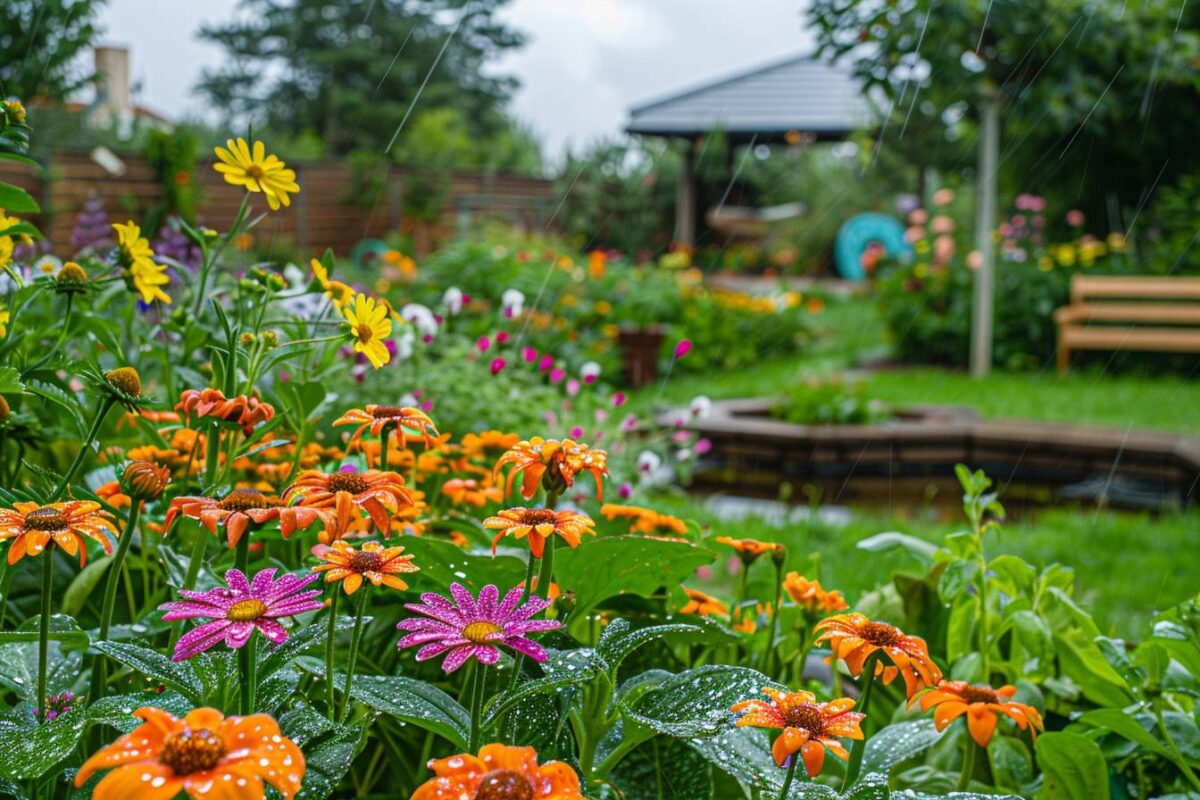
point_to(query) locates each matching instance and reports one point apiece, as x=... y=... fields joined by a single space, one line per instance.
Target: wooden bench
x=1150 y=314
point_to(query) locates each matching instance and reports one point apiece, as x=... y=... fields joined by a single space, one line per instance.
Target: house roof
x=800 y=94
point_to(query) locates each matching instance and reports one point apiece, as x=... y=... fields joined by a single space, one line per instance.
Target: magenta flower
x=683 y=348
x=235 y=612
x=467 y=627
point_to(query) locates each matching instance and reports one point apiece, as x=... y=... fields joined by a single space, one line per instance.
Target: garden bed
x=1037 y=462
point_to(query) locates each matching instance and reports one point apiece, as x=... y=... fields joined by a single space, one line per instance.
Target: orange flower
x=204 y=754
x=553 y=594
x=499 y=772
x=749 y=549
x=471 y=492
x=374 y=562
x=238 y=510
x=981 y=704
x=703 y=604
x=186 y=450
x=377 y=493
x=809 y=728
x=552 y=463
x=111 y=493
x=644 y=520
x=809 y=595
x=539 y=524
x=211 y=403
x=402 y=419
x=854 y=637
x=488 y=444
x=32 y=527
x=745 y=620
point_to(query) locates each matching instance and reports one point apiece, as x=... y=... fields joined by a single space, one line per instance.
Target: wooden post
x=983 y=300
x=685 y=199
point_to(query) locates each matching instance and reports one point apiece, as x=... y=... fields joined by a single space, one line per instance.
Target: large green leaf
x=619 y=640
x=442 y=564
x=1073 y=768
x=273 y=659
x=17 y=200
x=897 y=743
x=30 y=749
x=696 y=702
x=563 y=669
x=1120 y=723
x=631 y=565
x=329 y=749
x=664 y=769
x=154 y=665
x=412 y=701
x=19 y=657
x=1080 y=659
x=117 y=710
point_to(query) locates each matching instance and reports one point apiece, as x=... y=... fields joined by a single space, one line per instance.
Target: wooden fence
x=325 y=213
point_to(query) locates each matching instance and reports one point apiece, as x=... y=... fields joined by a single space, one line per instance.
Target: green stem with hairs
x=249 y=668
x=791 y=776
x=968 y=766
x=66 y=324
x=355 y=639
x=44 y=630
x=241 y=556
x=110 y=595
x=101 y=413
x=212 y=455
x=519 y=658
x=211 y=258
x=864 y=702
x=478 y=688
x=330 y=649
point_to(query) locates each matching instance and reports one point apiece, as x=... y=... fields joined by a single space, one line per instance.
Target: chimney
x=114 y=99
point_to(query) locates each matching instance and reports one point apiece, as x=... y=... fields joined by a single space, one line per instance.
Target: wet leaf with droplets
x=30 y=748
x=897 y=743
x=179 y=676
x=117 y=711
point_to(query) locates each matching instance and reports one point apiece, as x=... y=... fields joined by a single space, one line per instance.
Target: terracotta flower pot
x=640 y=348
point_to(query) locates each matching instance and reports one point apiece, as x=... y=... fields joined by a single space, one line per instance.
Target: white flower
x=652 y=471
x=700 y=407
x=453 y=300
x=404 y=340
x=589 y=371
x=512 y=302
x=421 y=318
x=408 y=401
x=47 y=265
x=648 y=461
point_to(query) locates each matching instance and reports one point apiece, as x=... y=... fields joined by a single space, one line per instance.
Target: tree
x=39 y=44
x=349 y=70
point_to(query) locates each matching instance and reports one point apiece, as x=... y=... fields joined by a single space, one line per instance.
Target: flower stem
x=769 y=656
x=212 y=456
x=330 y=641
x=1179 y=759
x=44 y=630
x=241 y=556
x=6 y=573
x=249 y=667
x=968 y=767
x=355 y=639
x=101 y=413
x=546 y=575
x=384 y=433
x=211 y=259
x=110 y=595
x=66 y=324
x=864 y=701
x=478 y=689
x=791 y=776
x=519 y=658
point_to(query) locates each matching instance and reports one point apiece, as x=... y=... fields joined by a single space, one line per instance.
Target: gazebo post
x=685 y=199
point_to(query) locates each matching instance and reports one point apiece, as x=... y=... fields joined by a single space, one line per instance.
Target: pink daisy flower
x=467 y=627
x=235 y=612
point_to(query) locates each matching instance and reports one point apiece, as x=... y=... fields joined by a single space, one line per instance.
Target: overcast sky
x=585 y=64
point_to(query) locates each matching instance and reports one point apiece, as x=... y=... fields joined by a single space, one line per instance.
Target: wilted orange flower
x=377 y=493
x=809 y=595
x=238 y=510
x=703 y=604
x=853 y=638
x=749 y=549
x=553 y=464
x=809 y=728
x=488 y=444
x=471 y=492
x=242 y=410
x=204 y=754
x=644 y=520
x=402 y=419
x=376 y=563
x=499 y=772
x=539 y=524
x=981 y=704
x=31 y=527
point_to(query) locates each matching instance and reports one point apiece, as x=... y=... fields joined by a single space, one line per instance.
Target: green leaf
x=83 y=586
x=897 y=743
x=179 y=676
x=1080 y=660
x=1117 y=721
x=1011 y=763
x=957 y=576
x=618 y=640
x=1034 y=634
x=17 y=200
x=1073 y=768
x=563 y=668
x=31 y=749
x=412 y=701
x=19 y=657
x=664 y=769
x=273 y=659
x=117 y=711
x=696 y=702
x=632 y=565
x=63 y=629
x=329 y=749
x=442 y=564
x=920 y=549
x=10 y=381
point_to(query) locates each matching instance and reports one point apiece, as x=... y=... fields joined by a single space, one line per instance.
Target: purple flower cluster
x=93 y=229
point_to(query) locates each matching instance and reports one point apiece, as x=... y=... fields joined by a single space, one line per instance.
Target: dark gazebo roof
x=801 y=94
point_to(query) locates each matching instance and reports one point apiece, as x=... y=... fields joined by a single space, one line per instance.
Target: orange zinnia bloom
x=749 y=549
x=980 y=704
x=374 y=562
x=854 y=637
x=32 y=527
x=377 y=493
x=553 y=461
x=471 y=492
x=111 y=493
x=241 y=410
x=204 y=754
x=488 y=444
x=809 y=728
x=499 y=772
x=539 y=524
x=703 y=604
x=810 y=596
x=403 y=419
x=238 y=510
x=644 y=520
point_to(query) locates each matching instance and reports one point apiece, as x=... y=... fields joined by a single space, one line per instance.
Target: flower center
x=980 y=694
x=255 y=171
x=246 y=610
x=504 y=784
x=242 y=499
x=126 y=380
x=880 y=634
x=805 y=716
x=481 y=632
x=364 y=332
x=188 y=751
x=538 y=516
x=365 y=561
x=350 y=482
x=45 y=519
x=387 y=412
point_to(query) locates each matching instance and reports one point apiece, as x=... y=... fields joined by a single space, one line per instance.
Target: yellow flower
x=250 y=166
x=137 y=258
x=338 y=293
x=369 y=326
x=5 y=316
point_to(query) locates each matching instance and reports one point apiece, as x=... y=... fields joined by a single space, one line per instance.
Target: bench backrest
x=1110 y=287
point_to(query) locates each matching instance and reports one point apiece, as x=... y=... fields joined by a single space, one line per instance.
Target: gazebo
x=795 y=100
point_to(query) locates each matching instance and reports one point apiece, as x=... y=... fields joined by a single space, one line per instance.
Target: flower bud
x=144 y=480
x=125 y=380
